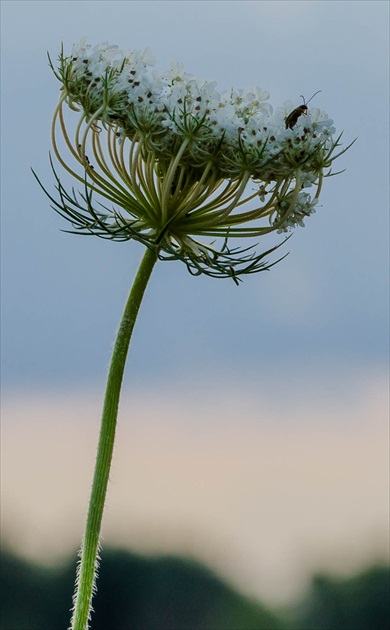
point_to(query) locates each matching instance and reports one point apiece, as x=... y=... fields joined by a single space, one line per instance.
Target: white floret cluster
x=238 y=129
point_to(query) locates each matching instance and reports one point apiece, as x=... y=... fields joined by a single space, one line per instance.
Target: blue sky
x=314 y=329
x=328 y=300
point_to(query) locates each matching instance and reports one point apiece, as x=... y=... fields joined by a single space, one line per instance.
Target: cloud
x=264 y=490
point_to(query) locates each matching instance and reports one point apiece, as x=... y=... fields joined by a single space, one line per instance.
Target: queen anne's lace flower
x=179 y=157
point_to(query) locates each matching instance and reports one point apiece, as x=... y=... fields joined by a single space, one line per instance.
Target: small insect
x=292 y=118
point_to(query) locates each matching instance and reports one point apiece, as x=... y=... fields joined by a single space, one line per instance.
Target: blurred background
x=251 y=463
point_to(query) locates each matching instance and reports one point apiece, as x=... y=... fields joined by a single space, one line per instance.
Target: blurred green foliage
x=134 y=593
x=166 y=593
x=358 y=603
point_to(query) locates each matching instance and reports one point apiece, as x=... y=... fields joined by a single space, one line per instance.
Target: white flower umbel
x=184 y=169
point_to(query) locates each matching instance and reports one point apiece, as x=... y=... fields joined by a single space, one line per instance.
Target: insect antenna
x=310 y=99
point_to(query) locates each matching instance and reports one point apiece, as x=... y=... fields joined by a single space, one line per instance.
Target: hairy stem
x=85 y=583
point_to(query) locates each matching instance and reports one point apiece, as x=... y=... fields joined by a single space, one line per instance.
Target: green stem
x=85 y=583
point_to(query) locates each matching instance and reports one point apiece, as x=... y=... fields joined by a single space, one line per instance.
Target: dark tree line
x=140 y=593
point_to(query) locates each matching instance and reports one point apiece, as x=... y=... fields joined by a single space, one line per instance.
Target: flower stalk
x=86 y=571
